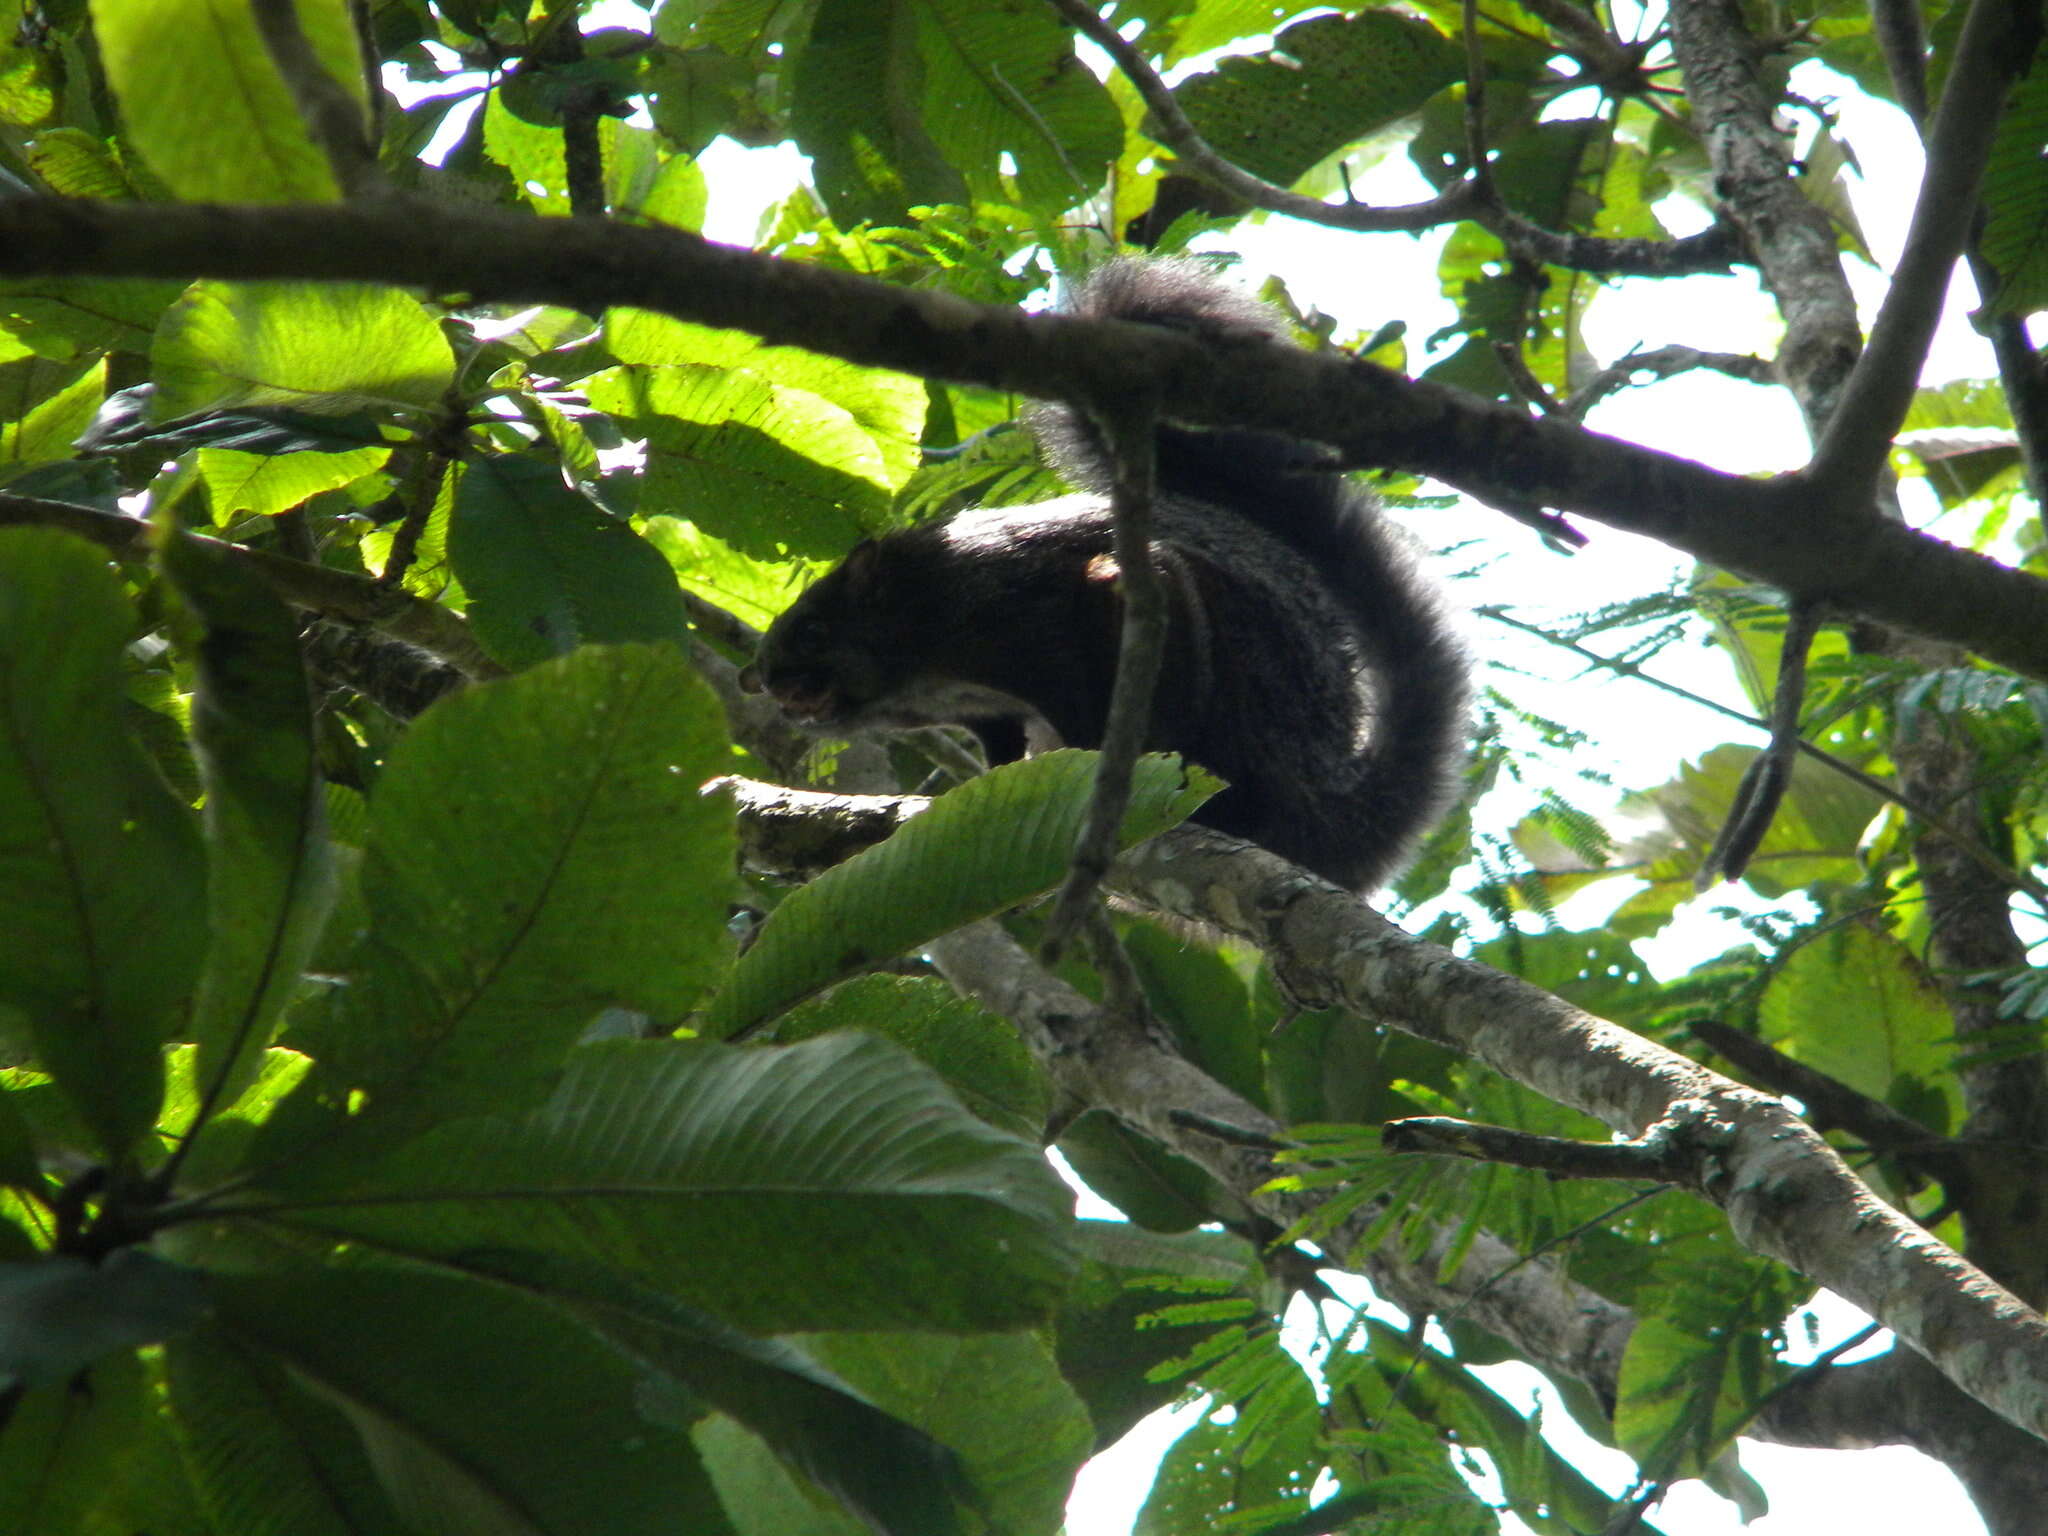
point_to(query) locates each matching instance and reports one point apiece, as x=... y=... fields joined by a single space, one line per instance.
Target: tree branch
x=1179 y=135
x=1662 y=1155
x=1832 y=1105
x=1785 y=1192
x=1128 y=431
x=1713 y=250
x=1128 y=1071
x=1996 y=46
x=1794 y=246
x=337 y=594
x=333 y=118
x=1770 y=530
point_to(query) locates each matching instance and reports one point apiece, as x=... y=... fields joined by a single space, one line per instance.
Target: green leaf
x=1698 y=1362
x=901 y=1480
x=1854 y=1003
x=58 y=1315
x=997 y=1399
x=1157 y=1189
x=830 y=1184
x=889 y=406
x=2015 y=193
x=18 y=1168
x=1107 y=1337
x=901 y=104
x=769 y=469
x=979 y=1053
x=64 y=318
x=205 y=106
x=264 y=484
x=1327 y=83
x=327 y=348
x=44 y=433
x=68 y=1447
x=1200 y=997
x=539 y=849
x=101 y=875
x=762 y=1495
x=270 y=1458
x=547 y=569
x=481 y=1412
x=986 y=846
x=272 y=878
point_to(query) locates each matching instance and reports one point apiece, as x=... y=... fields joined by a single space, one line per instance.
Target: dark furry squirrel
x=1308 y=659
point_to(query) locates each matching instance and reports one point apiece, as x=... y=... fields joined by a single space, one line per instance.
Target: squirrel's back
x=1308 y=659
x=1367 y=744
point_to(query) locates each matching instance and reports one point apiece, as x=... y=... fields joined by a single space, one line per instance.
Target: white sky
x=1719 y=421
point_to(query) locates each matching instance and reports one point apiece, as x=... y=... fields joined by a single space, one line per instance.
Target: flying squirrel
x=1309 y=661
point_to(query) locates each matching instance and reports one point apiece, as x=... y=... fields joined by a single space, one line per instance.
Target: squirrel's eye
x=811 y=634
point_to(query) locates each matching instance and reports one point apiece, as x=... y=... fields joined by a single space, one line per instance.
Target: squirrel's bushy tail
x=1403 y=773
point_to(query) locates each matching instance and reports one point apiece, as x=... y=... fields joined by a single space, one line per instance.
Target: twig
x=1711 y=251
x=1902 y=40
x=421 y=490
x=333 y=118
x=726 y=630
x=1887 y=792
x=1996 y=44
x=583 y=152
x=1769 y=774
x=1831 y=1105
x=1661 y=1155
x=1128 y=432
x=1663 y=363
x=1180 y=135
x=337 y=594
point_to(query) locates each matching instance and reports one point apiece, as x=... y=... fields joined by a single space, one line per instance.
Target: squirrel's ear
x=857 y=570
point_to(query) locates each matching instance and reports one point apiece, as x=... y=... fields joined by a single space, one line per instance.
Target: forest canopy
x=468 y=1065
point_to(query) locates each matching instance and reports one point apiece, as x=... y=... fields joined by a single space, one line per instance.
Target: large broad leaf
x=907 y=102
x=43 y=408
x=101 y=877
x=997 y=1399
x=272 y=879
x=547 y=569
x=270 y=1458
x=539 y=849
x=988 y=845
x=68 y=317
x=67 y=1448
x=899 y=1479
x=203 y=102
x=326 y=348
x=765 y=467
x=978 y=1053
x=58 y=1315
x=482 y=1412
x=1159 y=1190
x=1854 y=1003
x=2016 y=200
x=889 y=406
x=262 y=485
x=1328 y=83
x=830 y=1184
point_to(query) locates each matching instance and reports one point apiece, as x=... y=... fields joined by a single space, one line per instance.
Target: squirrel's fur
x=1308 y=660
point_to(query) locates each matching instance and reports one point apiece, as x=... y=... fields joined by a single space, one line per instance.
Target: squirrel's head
x=835 y=653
